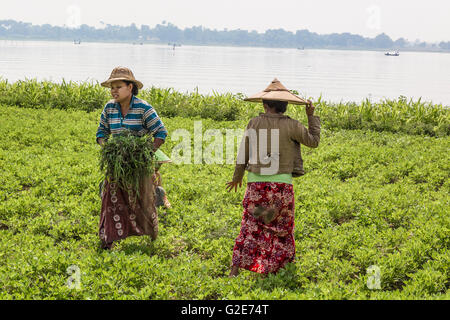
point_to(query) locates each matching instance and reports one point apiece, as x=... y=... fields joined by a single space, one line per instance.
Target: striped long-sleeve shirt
x=141 y=118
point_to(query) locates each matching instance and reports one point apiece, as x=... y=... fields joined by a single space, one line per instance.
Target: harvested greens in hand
x=126 y=159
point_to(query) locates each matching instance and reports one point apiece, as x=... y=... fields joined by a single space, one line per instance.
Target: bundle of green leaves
x=126 y=159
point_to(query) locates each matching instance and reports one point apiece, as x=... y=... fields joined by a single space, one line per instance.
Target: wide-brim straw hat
x=124 y=74
x=276 y=91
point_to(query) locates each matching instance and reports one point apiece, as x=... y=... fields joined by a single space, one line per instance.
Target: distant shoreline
x=437 y=50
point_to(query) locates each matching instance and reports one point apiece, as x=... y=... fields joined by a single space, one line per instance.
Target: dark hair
x=279 y=106
x=135 y=89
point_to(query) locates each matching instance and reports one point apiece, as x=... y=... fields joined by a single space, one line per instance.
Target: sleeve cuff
x=161 y=135
x=100 y=135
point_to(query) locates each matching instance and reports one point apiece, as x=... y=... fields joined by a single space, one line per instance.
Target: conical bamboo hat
x=278 y=92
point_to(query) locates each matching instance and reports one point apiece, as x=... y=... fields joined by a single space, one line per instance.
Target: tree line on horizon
x=198 y=35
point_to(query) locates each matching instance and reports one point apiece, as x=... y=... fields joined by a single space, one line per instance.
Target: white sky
x=412 y=19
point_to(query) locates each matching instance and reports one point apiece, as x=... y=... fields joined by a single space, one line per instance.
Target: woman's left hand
x=233 y=184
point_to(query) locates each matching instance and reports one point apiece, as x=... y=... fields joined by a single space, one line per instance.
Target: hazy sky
x=412 y=19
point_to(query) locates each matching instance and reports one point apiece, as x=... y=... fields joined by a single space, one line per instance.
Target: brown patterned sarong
x=123 y=214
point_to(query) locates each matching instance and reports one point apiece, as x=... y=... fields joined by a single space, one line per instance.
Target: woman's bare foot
x=234 y=271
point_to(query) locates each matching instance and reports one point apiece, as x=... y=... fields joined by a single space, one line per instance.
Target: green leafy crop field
x=371 y=199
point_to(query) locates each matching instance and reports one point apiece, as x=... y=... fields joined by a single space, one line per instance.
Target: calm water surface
x=337 y=75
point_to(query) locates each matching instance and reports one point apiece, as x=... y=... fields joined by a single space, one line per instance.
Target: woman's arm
x=241 y=162
x=309 y=137
x=155 y=126
x=157 y=143
x=103 y=130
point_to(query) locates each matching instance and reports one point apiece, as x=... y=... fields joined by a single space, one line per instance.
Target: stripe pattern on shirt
x=141 y=118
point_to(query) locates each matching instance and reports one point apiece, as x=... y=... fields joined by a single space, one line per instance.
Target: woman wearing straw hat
x=270 y=152
x=119 y=217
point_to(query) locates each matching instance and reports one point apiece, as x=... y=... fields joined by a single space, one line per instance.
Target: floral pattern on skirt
x=123 y=214
x=266 y=247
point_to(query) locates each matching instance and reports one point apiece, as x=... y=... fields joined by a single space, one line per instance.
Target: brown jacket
x=259 y=154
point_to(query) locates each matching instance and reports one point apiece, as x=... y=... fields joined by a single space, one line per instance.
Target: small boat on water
x=392 y=54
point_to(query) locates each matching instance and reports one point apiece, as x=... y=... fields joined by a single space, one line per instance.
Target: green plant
x=126 y=159
x=397 y=115
x=368 y=198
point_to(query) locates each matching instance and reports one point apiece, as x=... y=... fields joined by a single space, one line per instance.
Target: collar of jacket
x=273 y=115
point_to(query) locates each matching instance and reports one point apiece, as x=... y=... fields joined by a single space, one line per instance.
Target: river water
x=337 y=75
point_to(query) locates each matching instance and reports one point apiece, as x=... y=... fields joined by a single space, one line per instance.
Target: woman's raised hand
x=310 y=108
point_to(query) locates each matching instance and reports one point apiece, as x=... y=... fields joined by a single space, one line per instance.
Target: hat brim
x=277 y=96
x=108 y=82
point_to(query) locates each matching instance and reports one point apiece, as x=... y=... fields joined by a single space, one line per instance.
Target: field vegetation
x=375 y=193
x=397 y=115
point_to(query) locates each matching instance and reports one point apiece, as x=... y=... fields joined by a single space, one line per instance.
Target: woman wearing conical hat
x=270 y=152
x=120 y=217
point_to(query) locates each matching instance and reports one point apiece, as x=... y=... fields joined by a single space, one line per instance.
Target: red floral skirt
x=264 y=246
